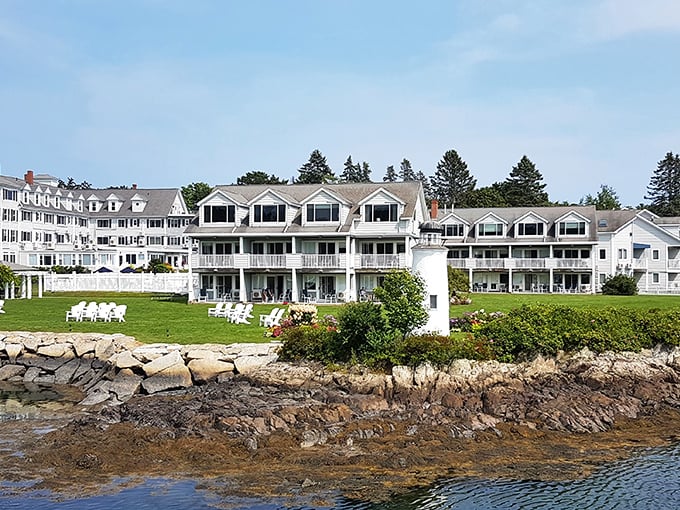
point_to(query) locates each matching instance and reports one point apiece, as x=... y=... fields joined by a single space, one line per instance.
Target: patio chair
x=242 y=318
x=238 y=308
x=118 y=313
x=89 y=312
x=103 y=312
x=215 y=310
x=224 y=312
x=274 y=319
x=75 y=312
x=268 y=316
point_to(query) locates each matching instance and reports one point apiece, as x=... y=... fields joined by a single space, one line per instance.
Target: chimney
x=28 y=177
x=434 y=209
x=134 y=186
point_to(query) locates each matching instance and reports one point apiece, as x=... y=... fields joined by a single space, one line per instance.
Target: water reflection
x=26 y=401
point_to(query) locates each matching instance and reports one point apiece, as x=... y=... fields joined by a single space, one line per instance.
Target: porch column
x=12 y=291
x=470 y=262
x=29 y=287
x=510 y=279
x=550 y=279
x=241 y=244
x=243 y=294
x=352 y=291
x=40 y=285
x=294 y=290
x=190 y=275
x=23 y=287
x=348 y=257
x=7 y=290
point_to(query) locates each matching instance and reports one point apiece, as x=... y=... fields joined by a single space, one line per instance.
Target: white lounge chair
x=118 y=313
x=264 y=317
x=75 y=312
x=103 y=312
x=89 y=312
x=226 y=309
x=274 y=319
x=242 y=318
x=215 y=310
x=238 y=308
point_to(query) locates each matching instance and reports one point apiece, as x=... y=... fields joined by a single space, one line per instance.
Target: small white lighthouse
x=429 y=261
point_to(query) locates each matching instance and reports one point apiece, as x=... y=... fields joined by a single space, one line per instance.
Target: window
x=177 y=222
x=490 y=229
x=49 y=218
x=103 y=223
x=655 y=254
x=623 y=253
x=10 y=194
x=454 y=230
x=219 y=213
x=270 y=213
x=603 y=254
x=530 y=229
x=433 y=302
x=122 y=223
x=155 y=223
x=25 y=236
x=380 y=212
x=61 y=220
x=103 y=240
x=655 y=277
x=326 y=248
x=572 y=228
x=26 y=215
x=323 y=212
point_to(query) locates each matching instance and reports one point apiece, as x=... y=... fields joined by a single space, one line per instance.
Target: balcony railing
x=490 y=263
x=457 y=263
x=267 y=261
x=382 y=261
x=674 y=263
x=216 y=261
x=321 y=261
x=572 y=263
x=534 y=263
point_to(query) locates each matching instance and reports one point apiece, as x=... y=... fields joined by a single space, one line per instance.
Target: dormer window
x=530 y=229
x=323 y=212
x=381 y=212
x=113 y=206
x=490 y=229
x=269 y=213
x=572 y=228
x=219 y=213
x=454 y=230
x=92 y=206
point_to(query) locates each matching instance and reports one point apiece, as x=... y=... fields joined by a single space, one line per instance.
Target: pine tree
x=351 y=171
x=664 y=187
x=524 y=187
x=406 y=171
x=452 y=182
x=259 y=177
x=390 y=174
x=606 y=199
x=365 y=172
x=427 y=189
x=488 y=196
x=316 y=170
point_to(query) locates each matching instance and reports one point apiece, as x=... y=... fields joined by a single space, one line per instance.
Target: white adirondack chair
x=75 y=312
x=103 y=311
x=89 y=312
x=215 y=310
x=238 y=308
x=264 y=317
x=118 y=313
x=226 y=309
x=275 y=319
x=242 y=318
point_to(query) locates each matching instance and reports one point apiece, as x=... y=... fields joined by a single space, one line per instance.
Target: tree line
x=453 y=185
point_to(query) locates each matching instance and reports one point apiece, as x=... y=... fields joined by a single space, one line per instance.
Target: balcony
x=381 y=261
x=674 y=264
x=457 y=263
x=315 y=261
x=533 y=263
x=640 y=264
x=267 y=261
x=572 y=263
x=216 y=261
x=490 y=263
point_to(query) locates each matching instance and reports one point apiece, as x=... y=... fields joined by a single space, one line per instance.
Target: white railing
x=267 y=261
x=534 y=263
x=673 y=263
x=382 y=261
x=216 y=261
x=639 y=263
x=118 y=282
x=321 y=261
x=489 y=263
x=571 y=263
x=457 y=263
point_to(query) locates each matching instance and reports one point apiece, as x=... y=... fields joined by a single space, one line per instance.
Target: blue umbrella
x=103 y=270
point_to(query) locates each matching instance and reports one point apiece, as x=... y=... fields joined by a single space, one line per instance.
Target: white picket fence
x=118 y=282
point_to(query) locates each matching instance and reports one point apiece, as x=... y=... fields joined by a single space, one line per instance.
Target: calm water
x=650 y=480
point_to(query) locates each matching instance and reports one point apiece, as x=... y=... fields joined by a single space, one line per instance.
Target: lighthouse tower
x=429 y=261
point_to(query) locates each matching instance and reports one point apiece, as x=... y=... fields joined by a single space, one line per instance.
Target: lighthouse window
x=433 y=301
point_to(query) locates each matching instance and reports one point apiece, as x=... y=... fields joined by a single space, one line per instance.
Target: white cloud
x=613 y=19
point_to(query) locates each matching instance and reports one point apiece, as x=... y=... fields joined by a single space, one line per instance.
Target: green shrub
x=314 y=342
x=620 y=285
x=357 y=322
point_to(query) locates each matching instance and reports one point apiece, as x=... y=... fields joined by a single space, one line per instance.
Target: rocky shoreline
x=280 y=427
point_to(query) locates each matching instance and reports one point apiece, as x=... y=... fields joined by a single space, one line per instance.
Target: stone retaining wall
x=111 y=368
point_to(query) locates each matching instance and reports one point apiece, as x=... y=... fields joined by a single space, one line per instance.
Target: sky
x=164 y=93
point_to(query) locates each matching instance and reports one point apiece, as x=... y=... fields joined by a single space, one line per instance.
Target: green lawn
x=147 y=319
x=151 y=320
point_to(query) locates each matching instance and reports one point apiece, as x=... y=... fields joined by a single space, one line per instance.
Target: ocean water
x=648 y=480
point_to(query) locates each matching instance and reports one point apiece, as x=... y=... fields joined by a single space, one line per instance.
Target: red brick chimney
x=28 y=177
x=134 y=186
x=434 y=209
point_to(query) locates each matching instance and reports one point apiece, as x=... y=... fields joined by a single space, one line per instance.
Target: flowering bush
x=472 y=321
x=301 y=314
x=315 y=341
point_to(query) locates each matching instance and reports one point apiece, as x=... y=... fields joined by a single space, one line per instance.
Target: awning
x=103 y=270
x=640 y=246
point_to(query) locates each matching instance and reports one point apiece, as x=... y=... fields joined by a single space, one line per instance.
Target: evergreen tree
x=488 y=196
x=664 y=187
x=390 y=174
x=452 y=182
x=524 y=187
x=259 y=177
x=195 y=192
x=350 y=170
x=316 y=170
x=406 y=171
x=72 y=184
x=365 y=173
x=606 y=199
x=427 y=189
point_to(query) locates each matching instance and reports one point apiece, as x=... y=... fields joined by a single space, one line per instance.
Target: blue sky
x=163 y=93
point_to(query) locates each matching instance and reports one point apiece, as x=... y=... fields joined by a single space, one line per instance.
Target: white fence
x=118 y=282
